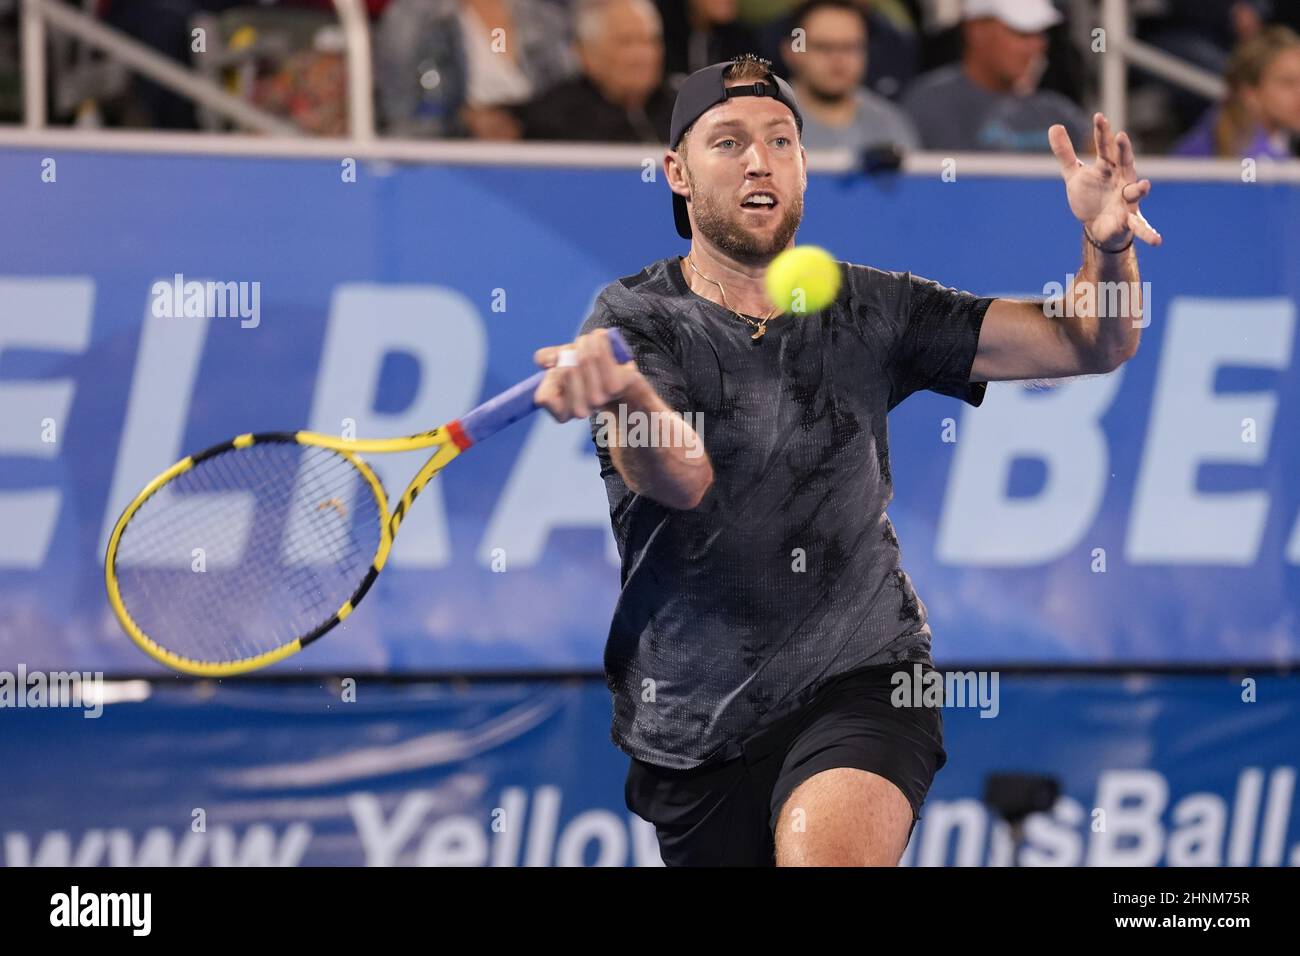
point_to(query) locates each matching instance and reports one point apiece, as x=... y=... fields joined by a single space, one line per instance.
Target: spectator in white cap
x=990 y=100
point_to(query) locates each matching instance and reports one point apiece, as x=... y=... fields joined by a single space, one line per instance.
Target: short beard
x=725 y=231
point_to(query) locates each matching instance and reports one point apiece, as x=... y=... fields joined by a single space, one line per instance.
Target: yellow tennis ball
x=803 y=279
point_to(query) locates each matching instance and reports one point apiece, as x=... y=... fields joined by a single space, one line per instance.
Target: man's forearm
x=1108 y=299
x=657 y=451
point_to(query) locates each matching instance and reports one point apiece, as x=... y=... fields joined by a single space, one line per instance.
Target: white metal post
x=1114 y=66
x=33 y=54
x=356 y=36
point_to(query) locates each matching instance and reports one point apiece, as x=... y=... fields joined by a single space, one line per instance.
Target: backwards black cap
x=705 y=89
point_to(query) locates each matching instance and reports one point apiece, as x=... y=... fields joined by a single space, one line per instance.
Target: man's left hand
x=1105 y=195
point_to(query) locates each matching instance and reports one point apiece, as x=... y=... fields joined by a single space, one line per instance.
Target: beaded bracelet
x=1112 y=252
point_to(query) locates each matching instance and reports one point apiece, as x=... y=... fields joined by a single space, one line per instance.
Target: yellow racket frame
x=444 y=439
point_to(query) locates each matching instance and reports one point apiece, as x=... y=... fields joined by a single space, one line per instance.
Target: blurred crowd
x=876 y=76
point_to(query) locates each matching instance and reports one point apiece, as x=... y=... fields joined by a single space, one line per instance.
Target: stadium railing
x=1124 y=51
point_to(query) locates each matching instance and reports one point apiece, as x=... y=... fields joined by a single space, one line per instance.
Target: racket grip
x=517 y=402
x=619 y=346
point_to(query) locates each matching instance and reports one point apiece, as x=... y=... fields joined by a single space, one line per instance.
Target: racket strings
x=224 y=527
x=248 y=551
x=205 y=528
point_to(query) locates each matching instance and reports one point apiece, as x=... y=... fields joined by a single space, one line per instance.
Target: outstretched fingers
x=1143 y=229
x=1107 y=152
x=1059 y=139
x=1124 y=152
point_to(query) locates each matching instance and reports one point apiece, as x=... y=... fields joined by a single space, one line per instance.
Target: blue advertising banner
x=1154 y=771
x=1151 y=515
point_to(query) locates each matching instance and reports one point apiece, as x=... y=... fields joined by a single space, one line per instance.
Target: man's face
x=627 y=58
x=745 y=146
x=834 y=60
x=1278 y=93
x=1006 y=53
x=714 y=11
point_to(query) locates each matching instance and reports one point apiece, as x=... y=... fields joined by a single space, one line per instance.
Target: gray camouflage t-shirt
x=952 y=113
x=788 y=573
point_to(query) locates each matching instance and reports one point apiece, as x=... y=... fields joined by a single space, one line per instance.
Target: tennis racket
x=245 y=553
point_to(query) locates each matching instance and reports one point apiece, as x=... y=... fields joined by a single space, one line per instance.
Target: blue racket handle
x=517 y=402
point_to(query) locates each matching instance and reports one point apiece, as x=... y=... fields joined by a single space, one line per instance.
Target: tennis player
x=764 y=607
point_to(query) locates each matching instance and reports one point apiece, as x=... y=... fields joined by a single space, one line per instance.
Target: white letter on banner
x=443 y=331
x=166 y=365
x=49 y=315
x=1134 y=801
x=1190 y=425
x=555 y=485
x=980 y=524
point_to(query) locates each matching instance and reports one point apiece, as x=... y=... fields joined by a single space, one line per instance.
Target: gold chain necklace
x=760 y=326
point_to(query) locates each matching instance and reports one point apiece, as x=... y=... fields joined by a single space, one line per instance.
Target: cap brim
x=681 y=217
x=1031 y=21
x=1033 y=24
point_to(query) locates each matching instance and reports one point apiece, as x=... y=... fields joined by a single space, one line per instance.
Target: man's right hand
x=584 y=377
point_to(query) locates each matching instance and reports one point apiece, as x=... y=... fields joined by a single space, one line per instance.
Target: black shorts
x=726 y=814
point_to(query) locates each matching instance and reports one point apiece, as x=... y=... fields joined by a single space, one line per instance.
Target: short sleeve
x=937 y=341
